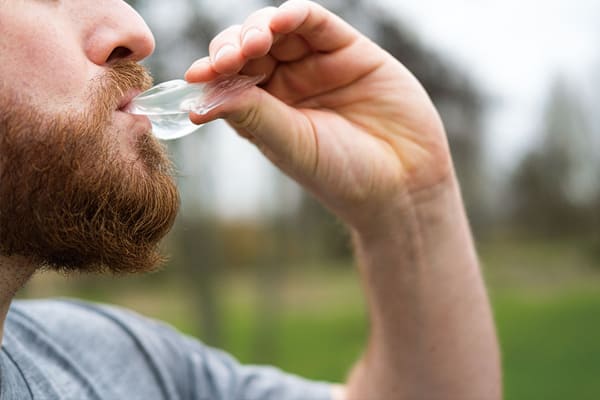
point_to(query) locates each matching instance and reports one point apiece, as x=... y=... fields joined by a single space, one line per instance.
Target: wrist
x=418 y=213
x=430 y=321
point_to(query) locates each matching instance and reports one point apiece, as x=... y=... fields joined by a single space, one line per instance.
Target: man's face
x=83 y=185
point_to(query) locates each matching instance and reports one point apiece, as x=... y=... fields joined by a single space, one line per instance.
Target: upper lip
x=127 y=97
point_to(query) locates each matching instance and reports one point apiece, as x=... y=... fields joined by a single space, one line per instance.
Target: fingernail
x=251 y=33
x=223 y=51
x=199 y=63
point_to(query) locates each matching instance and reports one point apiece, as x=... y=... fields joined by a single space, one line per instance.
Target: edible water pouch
x=168 y=104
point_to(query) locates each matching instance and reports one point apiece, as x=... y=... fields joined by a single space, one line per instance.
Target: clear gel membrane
x=168 y=104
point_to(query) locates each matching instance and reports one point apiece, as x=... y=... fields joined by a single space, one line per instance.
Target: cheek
x=41 y=60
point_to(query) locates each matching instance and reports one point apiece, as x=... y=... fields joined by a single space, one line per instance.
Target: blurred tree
x=182 y=31
x=198 y=257
x=554 y=187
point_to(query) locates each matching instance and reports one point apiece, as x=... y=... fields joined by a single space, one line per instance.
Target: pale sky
x=511 y=48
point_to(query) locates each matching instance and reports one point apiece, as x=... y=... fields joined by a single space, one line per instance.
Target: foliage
x=555 y=187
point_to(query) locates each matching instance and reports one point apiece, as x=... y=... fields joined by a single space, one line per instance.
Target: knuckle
x=248 y=119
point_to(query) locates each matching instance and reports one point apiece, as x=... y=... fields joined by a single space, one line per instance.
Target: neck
x=14 y=273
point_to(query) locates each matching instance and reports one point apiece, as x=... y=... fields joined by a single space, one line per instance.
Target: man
x=84 y=186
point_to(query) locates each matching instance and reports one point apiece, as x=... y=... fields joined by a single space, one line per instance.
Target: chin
x=130 y=131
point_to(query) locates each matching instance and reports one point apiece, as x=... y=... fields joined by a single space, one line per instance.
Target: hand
x=335 y=111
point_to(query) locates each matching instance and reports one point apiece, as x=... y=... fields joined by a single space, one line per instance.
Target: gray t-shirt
x=59 y=349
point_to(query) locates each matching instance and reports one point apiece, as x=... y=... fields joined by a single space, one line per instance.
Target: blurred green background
x=268 y=275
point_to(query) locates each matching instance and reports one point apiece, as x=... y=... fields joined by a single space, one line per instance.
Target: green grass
x=546 y=300
x=550 y=344
x=321 y=345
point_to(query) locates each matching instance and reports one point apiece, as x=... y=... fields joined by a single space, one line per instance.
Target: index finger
x=322 y=29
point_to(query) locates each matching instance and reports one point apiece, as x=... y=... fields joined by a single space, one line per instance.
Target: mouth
x=125 y=103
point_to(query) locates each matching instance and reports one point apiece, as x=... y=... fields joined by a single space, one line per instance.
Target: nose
x=116 y=32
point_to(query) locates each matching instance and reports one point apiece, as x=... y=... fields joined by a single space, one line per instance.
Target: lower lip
x=141 y=123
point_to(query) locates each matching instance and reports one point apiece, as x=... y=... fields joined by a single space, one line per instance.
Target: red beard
x=69 y=199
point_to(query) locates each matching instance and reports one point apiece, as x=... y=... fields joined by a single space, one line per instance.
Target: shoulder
x=75 y=321
x=59 y=314
x=97 y=337
x=102 y=334
x=91 y=327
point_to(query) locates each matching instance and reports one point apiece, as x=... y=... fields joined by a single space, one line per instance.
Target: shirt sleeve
x=222 y=377
x=199 y=372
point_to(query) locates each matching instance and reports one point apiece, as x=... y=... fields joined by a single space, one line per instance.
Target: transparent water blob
x=168 y=104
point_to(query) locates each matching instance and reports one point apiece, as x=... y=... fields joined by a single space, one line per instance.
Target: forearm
x=357 y=126
x=432 y=333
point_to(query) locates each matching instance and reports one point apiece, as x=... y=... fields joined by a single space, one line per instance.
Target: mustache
x=123 y=76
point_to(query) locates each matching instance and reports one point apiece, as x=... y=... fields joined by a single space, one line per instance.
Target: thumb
x=284 y=134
